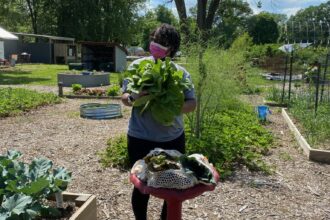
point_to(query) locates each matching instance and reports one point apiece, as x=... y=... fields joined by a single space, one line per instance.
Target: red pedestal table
x=173 y=197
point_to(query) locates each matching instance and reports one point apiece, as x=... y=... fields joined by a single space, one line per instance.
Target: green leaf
x=50 y=212
x=4 y=215
x=13 y=154
x=61 y=178
x=17 y=204
x=35 y=187
x=39 y=168
x=142 y=100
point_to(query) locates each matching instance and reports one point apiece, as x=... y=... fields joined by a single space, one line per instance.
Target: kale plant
x=23 y=187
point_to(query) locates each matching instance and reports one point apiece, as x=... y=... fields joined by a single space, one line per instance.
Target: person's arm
x=189 y=106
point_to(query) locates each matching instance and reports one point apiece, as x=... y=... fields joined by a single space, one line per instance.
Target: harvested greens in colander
x=171 y=169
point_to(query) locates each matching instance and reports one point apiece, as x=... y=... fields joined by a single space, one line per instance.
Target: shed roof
x=106 y=44
x=45 y=36
x=7 y=35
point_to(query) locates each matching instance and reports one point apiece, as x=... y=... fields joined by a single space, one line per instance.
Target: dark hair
x=167 y=36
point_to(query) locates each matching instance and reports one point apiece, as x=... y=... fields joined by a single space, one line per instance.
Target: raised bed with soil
x=318 y=155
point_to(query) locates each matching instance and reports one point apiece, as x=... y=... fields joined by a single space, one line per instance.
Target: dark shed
x=105 y=56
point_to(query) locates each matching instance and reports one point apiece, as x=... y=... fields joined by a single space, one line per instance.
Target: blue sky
x=288 y=7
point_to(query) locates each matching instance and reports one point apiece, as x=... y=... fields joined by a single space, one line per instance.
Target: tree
x=164 y=15
x=151 y=20
x=310 y=24
x=102 y=20
x=263 y=29
x=231 y=21
x=12 y=17
x=205 y=15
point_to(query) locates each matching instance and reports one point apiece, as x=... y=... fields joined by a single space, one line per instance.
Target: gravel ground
x=298 y=189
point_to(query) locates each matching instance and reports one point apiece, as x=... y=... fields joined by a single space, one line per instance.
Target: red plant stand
x=174 y=197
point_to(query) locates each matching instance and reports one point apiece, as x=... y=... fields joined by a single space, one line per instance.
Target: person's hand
x=136 y=96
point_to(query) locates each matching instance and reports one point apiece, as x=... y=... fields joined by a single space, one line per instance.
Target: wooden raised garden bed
x=85 y=203
x=86 y=80
x=312 y=154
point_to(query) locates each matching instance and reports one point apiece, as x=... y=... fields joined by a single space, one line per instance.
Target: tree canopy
x=97 y=20
x=310 y=24
x=263 y=29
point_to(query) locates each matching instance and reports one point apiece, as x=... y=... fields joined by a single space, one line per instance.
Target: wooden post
x=284 y=80
x=290 y=78
x=60 y=89
x=317 y=87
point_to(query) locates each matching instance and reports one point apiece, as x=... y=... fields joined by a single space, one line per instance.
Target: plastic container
x=263 y=111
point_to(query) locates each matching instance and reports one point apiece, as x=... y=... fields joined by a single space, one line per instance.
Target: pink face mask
x=157 y=51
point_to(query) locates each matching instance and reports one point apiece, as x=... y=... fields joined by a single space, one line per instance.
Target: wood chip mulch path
x=298 y=189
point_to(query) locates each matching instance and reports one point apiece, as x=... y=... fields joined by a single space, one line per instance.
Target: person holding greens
x=144 y=132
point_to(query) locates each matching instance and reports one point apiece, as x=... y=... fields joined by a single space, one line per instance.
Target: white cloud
x=288 y=7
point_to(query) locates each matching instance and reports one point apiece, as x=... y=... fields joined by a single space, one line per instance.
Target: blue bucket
x=263 y=111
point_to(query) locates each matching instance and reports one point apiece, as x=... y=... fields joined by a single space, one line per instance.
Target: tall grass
x=230 y=132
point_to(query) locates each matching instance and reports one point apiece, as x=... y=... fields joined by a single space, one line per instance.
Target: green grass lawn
x=34 y=74
x=37 y=74
x=255 y=78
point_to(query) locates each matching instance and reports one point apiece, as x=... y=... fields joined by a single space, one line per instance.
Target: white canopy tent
x=5 y=35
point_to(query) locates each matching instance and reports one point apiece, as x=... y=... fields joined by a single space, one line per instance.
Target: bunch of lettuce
x=163 y=85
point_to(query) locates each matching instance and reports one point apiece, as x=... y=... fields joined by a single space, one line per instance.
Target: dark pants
x=137 y=149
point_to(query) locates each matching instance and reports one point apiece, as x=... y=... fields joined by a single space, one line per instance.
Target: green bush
x=76 y=87
x=15 y=101
x=234 y=137
x=113 y=90
x=115 y=155
x=263 y=51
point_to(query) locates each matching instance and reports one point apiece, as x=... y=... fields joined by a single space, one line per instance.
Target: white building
x=5 y=35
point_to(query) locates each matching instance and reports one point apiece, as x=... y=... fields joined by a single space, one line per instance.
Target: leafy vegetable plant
x=23 y=187
x=113 y=90
x=164 y=85
x=76 y=87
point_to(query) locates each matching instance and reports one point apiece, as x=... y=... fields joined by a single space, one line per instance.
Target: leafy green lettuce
x=164 y=85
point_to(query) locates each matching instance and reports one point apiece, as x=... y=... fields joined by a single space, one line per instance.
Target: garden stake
x=290 y=79
x=317 y=87
x=325 y=74
x=285 y=73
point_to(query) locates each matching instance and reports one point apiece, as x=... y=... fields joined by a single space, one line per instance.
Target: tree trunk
x=33 y=14
x=182 y=12
x=201 y=14
x=213 y=7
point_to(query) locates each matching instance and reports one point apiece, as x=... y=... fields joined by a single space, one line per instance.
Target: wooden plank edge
x=69 y=196
x=301 y=140
x=320 y=155
x=312 y=154
x=88 y=211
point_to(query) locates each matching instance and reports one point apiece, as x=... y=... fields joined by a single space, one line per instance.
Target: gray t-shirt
x=144 y=126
